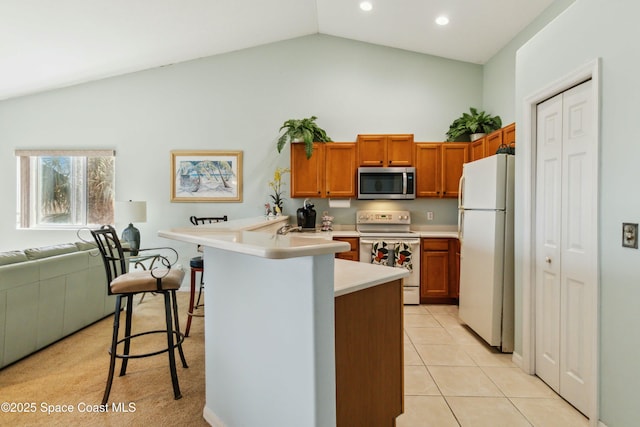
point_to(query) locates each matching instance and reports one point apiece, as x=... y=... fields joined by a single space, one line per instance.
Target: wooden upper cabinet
x=509 y=134
x=372 y=150
x=494 y=140
x=330 y=172
x=400 y=150
x=307 y=174
x=340 y=169
x=477 y=149
x=428 y=173
x=439 y=168
x=454 y=155
x=385 y=150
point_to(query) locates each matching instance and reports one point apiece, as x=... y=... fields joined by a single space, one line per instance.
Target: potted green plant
x=305 y=130
x=475 y=123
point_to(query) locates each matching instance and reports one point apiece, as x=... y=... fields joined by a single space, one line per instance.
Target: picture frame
x=206 y=176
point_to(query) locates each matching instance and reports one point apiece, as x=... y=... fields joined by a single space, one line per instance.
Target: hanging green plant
x=302 y=130
x=476 y=122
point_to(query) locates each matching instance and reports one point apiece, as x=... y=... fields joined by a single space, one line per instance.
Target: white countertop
x=350 y=276
x=246 y=236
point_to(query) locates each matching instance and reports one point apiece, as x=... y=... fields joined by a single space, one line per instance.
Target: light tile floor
x=452 y=378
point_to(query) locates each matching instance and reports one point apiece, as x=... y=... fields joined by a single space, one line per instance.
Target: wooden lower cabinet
x=439 y=277
x=354 y=252
x=369 y=356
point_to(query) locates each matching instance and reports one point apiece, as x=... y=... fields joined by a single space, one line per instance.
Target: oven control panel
x=383 y=217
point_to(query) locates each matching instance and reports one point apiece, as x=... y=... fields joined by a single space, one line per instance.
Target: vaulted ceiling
x=46 y=44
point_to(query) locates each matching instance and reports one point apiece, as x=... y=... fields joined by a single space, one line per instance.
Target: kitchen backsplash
x=445 y=211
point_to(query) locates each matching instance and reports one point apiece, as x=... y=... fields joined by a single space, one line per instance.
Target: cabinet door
x=435 y=268
x=354 y=253
x=494 y=140
x=307 y=174
x=400 y=150
x=340 y=169
x=454 y=155
x=477 y=149
x=372 y=150
x=428 y=171
x=509 y=134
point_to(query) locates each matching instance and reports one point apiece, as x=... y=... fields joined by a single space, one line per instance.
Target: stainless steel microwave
x=386 y=183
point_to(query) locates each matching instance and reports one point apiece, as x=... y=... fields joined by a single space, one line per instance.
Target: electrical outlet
x=429 y=216
x=629 y=235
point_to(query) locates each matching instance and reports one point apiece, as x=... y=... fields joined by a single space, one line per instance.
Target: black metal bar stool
x=197 y=266
x=162 y=280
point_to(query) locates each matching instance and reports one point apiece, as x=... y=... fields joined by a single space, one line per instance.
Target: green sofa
x=48 y=293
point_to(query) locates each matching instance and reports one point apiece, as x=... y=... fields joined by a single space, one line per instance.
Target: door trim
x=526 y=136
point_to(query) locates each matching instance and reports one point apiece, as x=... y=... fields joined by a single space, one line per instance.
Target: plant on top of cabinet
x=302 y=130
x=468 y=124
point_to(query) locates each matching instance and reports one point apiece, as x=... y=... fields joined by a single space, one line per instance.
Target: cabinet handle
x=380 y=161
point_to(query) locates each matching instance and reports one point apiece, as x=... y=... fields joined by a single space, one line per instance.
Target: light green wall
x=499 y=76
x=587 y=30
x=236 y=101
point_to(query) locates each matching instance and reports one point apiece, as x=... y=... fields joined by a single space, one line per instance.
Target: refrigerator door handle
x=460 y=193
x=460 y=225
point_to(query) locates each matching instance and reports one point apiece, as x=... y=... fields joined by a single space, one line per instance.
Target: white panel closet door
x=566 y=253
x=579 y=252
x=548 y=234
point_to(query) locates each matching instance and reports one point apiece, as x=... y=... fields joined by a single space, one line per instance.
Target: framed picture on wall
x=206 y=176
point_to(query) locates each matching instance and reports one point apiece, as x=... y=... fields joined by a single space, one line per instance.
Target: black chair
x=159 y=278
x=197 y=266
x=206 y=220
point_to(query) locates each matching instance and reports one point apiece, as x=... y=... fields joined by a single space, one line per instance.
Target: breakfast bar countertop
x=257 y=237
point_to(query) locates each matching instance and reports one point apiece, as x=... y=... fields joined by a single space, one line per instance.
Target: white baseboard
x=517 y=359
x=210 y=417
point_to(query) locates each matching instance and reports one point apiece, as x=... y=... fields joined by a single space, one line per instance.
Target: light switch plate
x=630 y=235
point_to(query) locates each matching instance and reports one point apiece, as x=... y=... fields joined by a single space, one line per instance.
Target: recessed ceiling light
x=442 y=20
x=366 y=6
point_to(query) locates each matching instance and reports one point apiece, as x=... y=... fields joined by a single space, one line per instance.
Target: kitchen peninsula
x=294 y=337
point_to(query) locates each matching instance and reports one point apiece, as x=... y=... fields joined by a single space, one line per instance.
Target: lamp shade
x=130 y=211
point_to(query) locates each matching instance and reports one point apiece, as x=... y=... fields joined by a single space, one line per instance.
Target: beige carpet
x=73 y=371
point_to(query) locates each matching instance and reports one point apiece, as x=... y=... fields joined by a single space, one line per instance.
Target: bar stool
x=197 y=266
x=161 y=280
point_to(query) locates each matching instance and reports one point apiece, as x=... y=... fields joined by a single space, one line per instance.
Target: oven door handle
x=393 y=240
x=371 y=241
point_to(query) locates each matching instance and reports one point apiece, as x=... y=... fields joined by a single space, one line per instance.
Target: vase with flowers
x=277 y=187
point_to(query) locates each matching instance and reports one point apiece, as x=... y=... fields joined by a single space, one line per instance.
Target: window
x=65 y=188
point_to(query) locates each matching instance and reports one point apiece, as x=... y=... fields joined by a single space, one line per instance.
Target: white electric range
x=386 y=238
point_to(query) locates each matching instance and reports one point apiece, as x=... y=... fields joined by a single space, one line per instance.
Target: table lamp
x=132 y=212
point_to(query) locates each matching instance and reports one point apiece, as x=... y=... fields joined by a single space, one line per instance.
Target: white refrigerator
x=485 y=228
